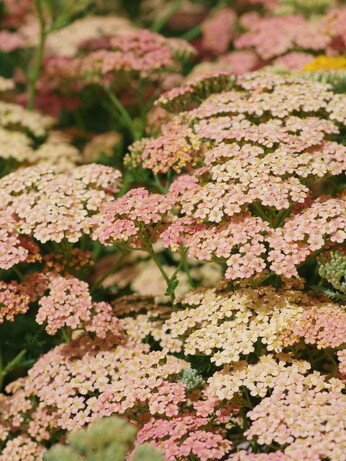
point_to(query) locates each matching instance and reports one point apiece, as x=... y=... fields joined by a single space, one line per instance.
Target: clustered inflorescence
x=172 y=231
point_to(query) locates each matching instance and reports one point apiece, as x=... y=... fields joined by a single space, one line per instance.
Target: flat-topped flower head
x=276 y=36
x=50 y=206
x=14 y=115
x=254 y=150
x=22 y=447
x=124 y=220
x=310 y=423
x=271 y=373
x=14 y=300
x=181 y=437
x=139 y=54
x=227 y=326
x=76 y=383
x=274 y=116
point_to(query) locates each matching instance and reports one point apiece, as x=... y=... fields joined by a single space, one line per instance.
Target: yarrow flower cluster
x=140 y=54
x=311 y=422
x=324 y=326
x=273 y=37
x=189 y=294
x=21 y=448
x=270 y=373
x=27 y=137
x=262 y=153
x=13 y=300
x=218 y=31
x=79 y=382
x=69 y=303
x=54 y=207
x=184 y=436
x=227 y=327
x=127 y=219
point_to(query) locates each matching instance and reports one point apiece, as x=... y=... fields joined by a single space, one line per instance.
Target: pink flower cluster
x=218 y=31
x=14 y=300
x=15 y=12
x=307 y=232
x=81 y=381
x=127 y=219
x=238 y=241
x=21 y=448
x=273 y=37
x=177 y=147
x=12 y=250
x=310 y=422
x=264 y=144
x=181 y=437
x=140 y=54
x=324 y=326
x=271 y=373
x=68 y=303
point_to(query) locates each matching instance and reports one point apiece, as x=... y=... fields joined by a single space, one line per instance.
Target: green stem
x=10 y=366
x=115 y=266
x=260 y=212
x=263 y=279
x=158 y=184
x=161 y=21
x=187 y=272
x=35 y=70
x=125 y=116
x=67 y=334
x=19 y=273
x=181 y=262
x=192 y=33
x=281 y=216
x=154 y=257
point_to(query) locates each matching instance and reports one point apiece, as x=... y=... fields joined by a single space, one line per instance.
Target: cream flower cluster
x=51 y=206
x=227 y=326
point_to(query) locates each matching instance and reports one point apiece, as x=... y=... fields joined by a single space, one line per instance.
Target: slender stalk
x=187 y=272
x=263 y=279
x=115 y=266
x=154 y=257
x=260 y=212
x=125 y=116
x=181 y=263
x=282 y=216
x=35 y=70
x=19 y=273
x=193 y=33
x=161 y=21
x=10 y=366
x=67 y=334
x=158 y=184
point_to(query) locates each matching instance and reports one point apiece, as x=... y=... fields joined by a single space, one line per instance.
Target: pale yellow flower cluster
x=21 y=135
x=15 y=116
x=270 y=372
x=227 y=326
x=6 y=84
x=65 y=42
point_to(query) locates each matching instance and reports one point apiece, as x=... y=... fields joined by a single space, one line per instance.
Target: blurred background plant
x=108 y=439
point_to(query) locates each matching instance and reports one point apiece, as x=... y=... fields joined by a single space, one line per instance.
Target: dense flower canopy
x=172 y=230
